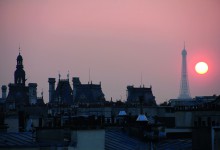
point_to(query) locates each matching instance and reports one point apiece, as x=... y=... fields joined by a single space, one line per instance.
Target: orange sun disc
x=201 y=67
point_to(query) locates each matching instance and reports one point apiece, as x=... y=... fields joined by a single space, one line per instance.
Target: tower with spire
x=19 y=75
x=184 y=92
x=19 y=94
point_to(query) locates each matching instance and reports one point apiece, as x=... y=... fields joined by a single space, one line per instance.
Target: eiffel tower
x=184 y=92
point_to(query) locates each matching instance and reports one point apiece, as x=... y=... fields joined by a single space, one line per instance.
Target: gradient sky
x=117 y=39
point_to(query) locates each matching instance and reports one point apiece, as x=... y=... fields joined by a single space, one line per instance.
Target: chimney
x=52 y=82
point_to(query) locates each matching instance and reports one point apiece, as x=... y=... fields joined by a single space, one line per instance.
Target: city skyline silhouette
x=117 y=43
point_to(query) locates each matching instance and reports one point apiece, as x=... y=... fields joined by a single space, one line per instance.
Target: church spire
x=19 y=59
x=19 y=49
x=19 y=75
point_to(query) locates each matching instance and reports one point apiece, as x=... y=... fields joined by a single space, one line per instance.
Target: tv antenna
x=89 y=74
x=141 y=78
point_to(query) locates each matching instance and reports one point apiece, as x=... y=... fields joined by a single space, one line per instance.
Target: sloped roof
x=64 y=91
x=20 y=139
x=122 y=113
x=142 y=117
x=88 y=93
x=117 y=140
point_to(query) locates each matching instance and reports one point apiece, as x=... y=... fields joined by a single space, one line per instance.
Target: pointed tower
x=184 y=85
x=19 y=75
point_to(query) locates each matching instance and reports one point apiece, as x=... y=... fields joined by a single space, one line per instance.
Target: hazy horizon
x=117 y=40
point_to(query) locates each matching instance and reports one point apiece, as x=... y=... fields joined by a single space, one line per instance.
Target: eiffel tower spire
x=184 y=83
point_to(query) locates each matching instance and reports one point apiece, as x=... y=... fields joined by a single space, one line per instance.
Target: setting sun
x=201 y=67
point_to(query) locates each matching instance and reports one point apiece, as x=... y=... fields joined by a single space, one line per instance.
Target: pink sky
x=117 y=39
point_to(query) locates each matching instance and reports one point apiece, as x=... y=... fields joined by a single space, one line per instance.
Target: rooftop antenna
x=141 y=78
x=68 y=75
x=59 y=75
x=19 y=49
x=89 y=74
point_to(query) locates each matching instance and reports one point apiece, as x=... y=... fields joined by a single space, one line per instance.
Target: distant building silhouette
x=62 y=94
x=184 y=84
x=134 y=93
x=19 y=94
x=81 y=93
x=4 y=94
x=87 y=93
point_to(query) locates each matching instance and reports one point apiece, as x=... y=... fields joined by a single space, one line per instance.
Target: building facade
x=87 y=93
x=62 y=94
x=133 y=94
x=80 y=94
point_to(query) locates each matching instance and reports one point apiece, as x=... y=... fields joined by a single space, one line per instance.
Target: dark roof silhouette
x=135 y=92
x=63 y=92
x=87 y=93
